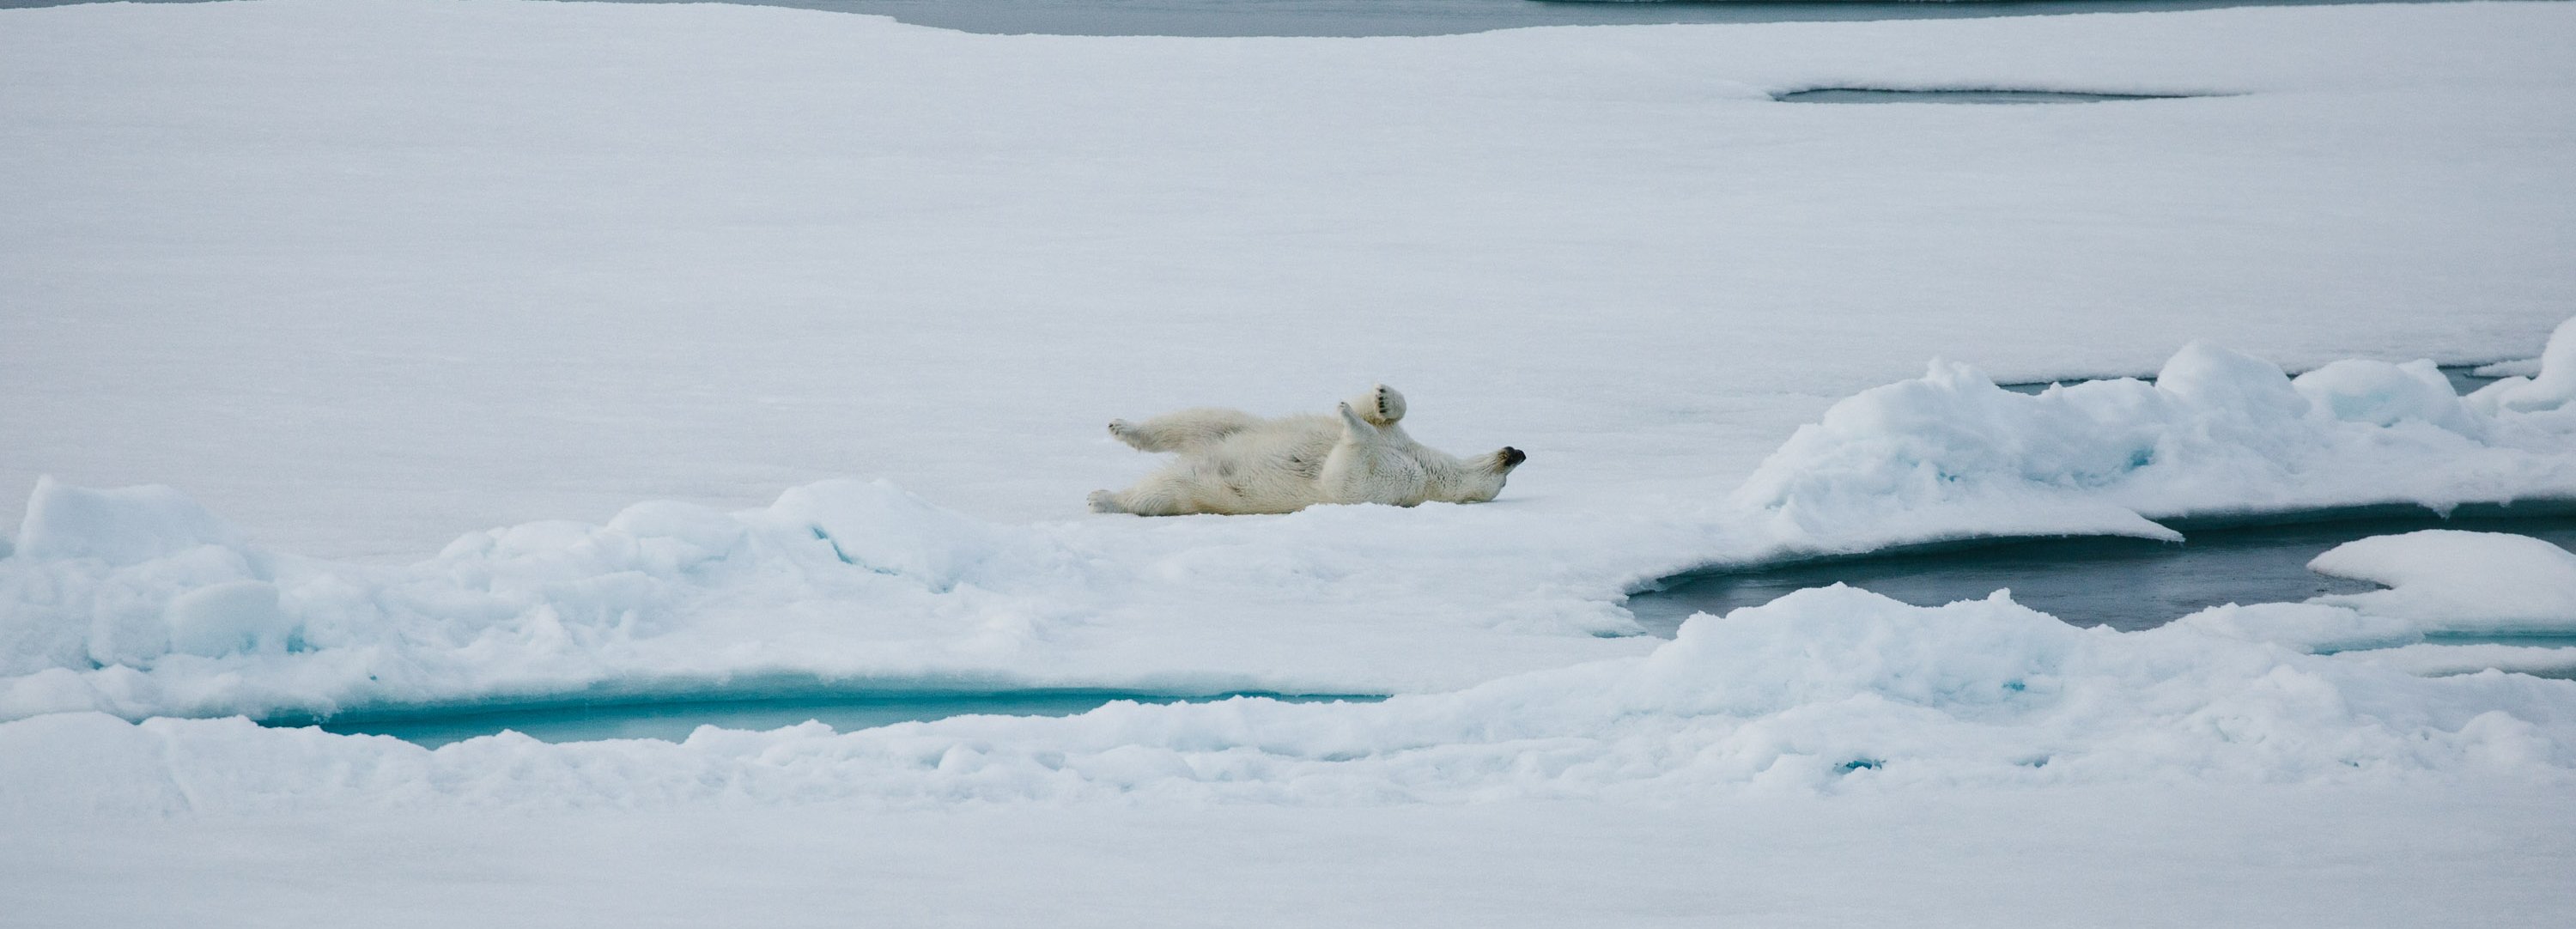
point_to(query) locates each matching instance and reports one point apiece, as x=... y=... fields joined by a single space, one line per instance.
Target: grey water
x=1412 y=17
x=673 y=720
x=1866 y=95
x=2463 y=381
x=2125 y=583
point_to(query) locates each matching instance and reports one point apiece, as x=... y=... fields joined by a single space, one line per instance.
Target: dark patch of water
x=2006 y=97
x=2127 y=584
x=1411 y=17
x=2464 y=381
x=673 y=720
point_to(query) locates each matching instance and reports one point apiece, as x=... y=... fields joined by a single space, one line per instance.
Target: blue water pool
x=673 y=720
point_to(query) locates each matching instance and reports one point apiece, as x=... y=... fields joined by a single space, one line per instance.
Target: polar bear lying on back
x=1234 y=462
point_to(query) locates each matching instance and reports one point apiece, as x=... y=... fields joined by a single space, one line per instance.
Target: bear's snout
x=1512 y=457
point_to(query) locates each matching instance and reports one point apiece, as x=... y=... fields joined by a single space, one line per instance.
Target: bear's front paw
x=1103 y=501
x=1381 y=405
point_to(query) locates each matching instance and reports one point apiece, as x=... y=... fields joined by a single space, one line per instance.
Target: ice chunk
x=2457 y=581
x=674 y=536
x=2383 y=394
x=2214 y=378
x=2550 y=387
x=221 y=619
x=2520 y=367
x=1953 y=437
x=125 y=526
x=2307 y=627
x=878 y=526
x=2218 y=432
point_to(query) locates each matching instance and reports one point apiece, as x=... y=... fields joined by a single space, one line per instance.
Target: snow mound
x=126 y=526
x=1826 y=690
x=2429 y=659
x=2519 y=367
x=2217 y=432
x=136 y=600
x=2307 y=627
x=2364 y=391
x=2454 y=581
x=113 y=578
x=2551 y=387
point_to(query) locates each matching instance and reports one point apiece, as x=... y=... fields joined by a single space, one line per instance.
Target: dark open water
x=1408 y=17
x=2126 y=584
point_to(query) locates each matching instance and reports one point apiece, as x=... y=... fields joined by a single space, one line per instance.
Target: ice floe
x=2452 y=581
x=1829 y=689
x=137 y=602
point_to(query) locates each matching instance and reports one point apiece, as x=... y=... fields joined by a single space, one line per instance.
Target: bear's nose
x=1512 y=457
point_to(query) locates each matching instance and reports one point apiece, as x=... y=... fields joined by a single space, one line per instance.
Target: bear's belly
x=1262 y=471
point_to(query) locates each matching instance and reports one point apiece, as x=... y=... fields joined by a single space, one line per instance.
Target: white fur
x=1234 y=462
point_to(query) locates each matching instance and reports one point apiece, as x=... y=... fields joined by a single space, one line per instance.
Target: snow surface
x=364 y=275
x=2093 y=857
x=845 y=301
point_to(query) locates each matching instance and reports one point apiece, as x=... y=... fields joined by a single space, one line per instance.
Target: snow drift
x=137 y=602
x=2216 y=433
x=1829 y=689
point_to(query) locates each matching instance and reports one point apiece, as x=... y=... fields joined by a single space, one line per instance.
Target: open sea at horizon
x=1408 y=17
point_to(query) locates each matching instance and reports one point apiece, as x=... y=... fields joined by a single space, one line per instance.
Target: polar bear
x=1233 y=462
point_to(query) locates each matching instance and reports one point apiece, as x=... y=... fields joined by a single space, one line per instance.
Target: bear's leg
x=1349 y=474
x=1380 y=405
x=1356 y=427
x=1153 y=496
x=1183 y=431
x=1104 y=501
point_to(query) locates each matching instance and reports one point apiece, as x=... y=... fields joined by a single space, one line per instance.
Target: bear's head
x=1477 y=479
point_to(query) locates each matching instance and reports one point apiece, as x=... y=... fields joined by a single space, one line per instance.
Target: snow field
x=2096 y=857
x=364 y=275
